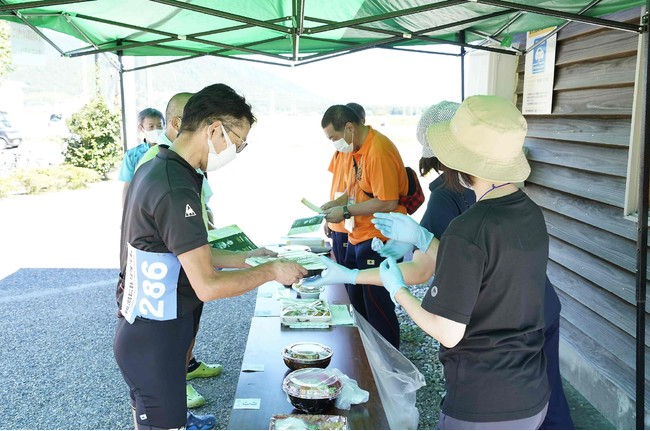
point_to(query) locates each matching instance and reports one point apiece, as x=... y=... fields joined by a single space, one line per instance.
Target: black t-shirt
x=444 y=205
x=490 y=275
x=162 y=214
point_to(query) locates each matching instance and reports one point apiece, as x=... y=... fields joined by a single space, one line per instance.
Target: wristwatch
x=346 y=213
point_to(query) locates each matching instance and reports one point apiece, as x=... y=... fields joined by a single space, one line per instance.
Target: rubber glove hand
x=393 y=249
x=391 y=277
x=403 y=228
x=334 y=274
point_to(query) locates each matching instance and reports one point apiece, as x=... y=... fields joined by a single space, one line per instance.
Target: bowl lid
x=307 y=289
x=306 y=352
x=312 y=383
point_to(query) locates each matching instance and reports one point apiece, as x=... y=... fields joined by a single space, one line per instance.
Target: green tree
x=5 y=49
x=94 y=141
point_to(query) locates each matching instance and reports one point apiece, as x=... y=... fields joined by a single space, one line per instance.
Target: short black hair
x=150 y=113
x=338 y=116
x=215 y=102
x=358 y=109
x=429 y=163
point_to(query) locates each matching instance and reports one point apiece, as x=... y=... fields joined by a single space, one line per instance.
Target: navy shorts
x=151 y=356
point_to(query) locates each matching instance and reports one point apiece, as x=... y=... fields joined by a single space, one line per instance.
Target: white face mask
x=152 y=135
x=219 y=160
x=342 y=146
x=463 y=183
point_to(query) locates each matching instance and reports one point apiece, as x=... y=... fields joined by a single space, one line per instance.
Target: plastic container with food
x=307 y=355
x=312 y=390
x=308 y=422
x=304 y=310
x=308 y=292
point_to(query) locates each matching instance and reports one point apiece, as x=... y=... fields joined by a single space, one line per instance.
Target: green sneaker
x=194 y=399
x=205 y=370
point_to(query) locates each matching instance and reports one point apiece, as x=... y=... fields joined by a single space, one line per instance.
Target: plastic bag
x=351 y=392
x=396 y=377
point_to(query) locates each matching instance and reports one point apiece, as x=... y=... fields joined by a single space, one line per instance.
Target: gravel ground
x=57 y=369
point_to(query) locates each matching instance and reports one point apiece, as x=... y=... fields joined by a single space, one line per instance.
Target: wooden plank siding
x=614 y=132
x=606 y=189
x=607 y=246
x=603 y=303
x=605 y=217
x=579 y=160
x=591 y=158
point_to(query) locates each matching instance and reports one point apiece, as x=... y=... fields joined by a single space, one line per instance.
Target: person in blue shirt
x=151 y=125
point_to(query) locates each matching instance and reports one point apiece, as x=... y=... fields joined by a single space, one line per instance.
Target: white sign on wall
x=539 y=73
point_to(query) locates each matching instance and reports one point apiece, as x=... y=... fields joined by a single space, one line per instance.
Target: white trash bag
x=396 y=377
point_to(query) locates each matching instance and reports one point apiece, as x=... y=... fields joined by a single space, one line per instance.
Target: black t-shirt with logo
x=490 y=275
x=162 y=214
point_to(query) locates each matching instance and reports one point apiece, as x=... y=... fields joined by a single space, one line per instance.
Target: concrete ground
x=58 y=267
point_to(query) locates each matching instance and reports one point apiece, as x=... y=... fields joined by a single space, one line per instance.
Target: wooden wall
x=579 y=157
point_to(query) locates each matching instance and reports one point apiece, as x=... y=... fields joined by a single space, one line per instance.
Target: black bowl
x=312 y=390
x=316 y=355
x=294 y=364
x=312 y=406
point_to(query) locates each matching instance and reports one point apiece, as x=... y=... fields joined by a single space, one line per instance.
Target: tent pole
x=462 y=64
x=121 y=71
x=642 y=238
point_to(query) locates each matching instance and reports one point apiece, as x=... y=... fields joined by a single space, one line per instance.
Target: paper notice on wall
x=539 y=72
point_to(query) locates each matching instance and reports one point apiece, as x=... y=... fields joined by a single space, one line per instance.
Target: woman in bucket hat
x=444 y=205
x=485 y=306
x=445 y=202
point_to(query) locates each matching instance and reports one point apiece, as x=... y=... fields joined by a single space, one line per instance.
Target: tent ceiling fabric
x=295 y=31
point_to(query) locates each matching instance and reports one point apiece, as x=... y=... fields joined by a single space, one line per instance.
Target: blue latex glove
x=391 y=277
x=334 y=274
x=403 y=228
x=395 y=249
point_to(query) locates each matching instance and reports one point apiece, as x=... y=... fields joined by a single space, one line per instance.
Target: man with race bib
x=166 y=263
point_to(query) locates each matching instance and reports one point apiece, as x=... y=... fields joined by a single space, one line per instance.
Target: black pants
x=339 y=246
x=372 y=302
x=151 y=356
x=558 y=416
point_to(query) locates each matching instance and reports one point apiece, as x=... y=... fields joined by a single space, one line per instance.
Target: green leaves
x=94 y=141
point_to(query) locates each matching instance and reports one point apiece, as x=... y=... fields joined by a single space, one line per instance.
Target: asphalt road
x=58 y=269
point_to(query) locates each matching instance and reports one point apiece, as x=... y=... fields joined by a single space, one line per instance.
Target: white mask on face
x=342 y=146
x=463 y=183
x=152 y=135
x=219 y=160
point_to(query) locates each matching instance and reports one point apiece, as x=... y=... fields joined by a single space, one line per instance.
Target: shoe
x=194 y=399
x=205 y=370
x=200 y=422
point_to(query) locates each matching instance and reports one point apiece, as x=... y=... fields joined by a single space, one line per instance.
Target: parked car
x=10 y=136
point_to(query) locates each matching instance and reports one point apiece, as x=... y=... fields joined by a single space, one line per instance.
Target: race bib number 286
x=150 y=285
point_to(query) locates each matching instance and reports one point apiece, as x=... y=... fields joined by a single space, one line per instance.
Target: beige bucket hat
x=443 y=111
x=485 y=138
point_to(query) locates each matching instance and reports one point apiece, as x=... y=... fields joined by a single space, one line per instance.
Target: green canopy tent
x=296 y=32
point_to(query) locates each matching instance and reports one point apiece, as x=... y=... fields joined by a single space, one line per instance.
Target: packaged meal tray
x=308 y=422
x=308 y=260
x=304 y=310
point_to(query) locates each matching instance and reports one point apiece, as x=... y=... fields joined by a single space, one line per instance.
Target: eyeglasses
x=238 y=148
